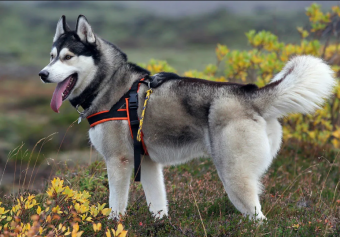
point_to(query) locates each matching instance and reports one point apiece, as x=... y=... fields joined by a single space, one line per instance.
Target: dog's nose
x=44 y=75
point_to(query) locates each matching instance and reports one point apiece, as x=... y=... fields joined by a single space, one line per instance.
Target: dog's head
x=73 y=60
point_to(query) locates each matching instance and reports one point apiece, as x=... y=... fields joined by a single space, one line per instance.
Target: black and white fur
x=235 y=125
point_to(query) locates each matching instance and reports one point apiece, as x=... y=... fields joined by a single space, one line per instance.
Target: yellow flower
x=120 y=231
x=336 y=133
x=38 y=210
x=30 y=197
x=50 y=192
x=68 y=192
x=80 y=208
x=296 y=226
x=56 y=210
x=106 y=211
x=108 y=233
x=41 y=230
x=97 y=227
x=75 y=230
x=3 y=211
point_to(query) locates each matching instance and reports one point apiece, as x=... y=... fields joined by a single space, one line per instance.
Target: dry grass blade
x=29 y=160
x=139 y=167
x=330 y=168
x=62 y=141
x=8 y=157
x=22 y=157
x=15 y=164
x=290 y=185
x=35 y=163
x=193 y=195
x=334 y=205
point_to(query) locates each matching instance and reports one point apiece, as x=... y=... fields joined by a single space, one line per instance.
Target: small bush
x=59 y=212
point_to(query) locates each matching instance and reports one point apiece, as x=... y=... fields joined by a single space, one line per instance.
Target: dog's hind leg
x=119 y=170
x=153 y=185
x=274 y=133
x=241 y=153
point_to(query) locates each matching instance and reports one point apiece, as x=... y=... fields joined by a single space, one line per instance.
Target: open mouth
x=62 y=91
x=72 y=80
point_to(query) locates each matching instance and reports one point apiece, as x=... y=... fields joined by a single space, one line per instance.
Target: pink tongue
x=57 y=98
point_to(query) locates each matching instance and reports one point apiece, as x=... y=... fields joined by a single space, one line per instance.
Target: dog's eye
x=67 y=57
x=51 y=57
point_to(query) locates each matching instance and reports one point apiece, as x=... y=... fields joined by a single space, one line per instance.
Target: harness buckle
x=134 y=122
x=133 y=100
x=154 y=81
x=80 y=112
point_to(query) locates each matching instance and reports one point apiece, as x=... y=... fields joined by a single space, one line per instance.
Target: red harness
x=125 y=109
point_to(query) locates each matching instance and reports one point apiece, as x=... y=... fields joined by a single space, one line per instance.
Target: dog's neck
x=112 y=81
x=109 y=91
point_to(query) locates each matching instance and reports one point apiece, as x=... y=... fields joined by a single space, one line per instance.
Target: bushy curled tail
x=301 y=87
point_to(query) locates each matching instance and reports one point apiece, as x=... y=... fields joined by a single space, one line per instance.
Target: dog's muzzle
x=44 y=75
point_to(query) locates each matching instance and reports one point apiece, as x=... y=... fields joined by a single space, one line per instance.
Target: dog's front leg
x=119 y=171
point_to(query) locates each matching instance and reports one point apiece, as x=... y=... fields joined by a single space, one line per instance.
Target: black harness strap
x=112 y=113
x=134 y=123
x=132 y=108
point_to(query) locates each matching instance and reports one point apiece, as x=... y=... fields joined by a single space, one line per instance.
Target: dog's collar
x=88 y=101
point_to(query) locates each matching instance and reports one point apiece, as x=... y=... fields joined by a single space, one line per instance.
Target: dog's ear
x=62 y=27
x=84 y=30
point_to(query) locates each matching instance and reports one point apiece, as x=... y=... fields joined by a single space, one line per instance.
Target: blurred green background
x=184 y=34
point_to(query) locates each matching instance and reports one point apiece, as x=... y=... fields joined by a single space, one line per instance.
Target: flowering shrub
x=62 y=212
x=155 y=66
x=268 y=56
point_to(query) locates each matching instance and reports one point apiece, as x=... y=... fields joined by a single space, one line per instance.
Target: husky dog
x=235 y=125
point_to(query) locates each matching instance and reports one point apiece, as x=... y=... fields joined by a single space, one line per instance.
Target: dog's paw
x=115 y=216
x=261 y=221
x=259 y=218
x=160 y=214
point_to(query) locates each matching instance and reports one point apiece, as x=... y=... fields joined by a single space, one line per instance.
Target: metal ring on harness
x=81 y=113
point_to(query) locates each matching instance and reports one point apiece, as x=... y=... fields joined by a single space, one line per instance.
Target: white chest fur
x=96 y=137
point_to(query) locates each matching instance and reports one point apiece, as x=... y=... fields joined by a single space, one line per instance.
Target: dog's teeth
x=62 y=94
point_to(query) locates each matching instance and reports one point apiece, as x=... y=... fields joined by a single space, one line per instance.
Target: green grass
x=300 y=198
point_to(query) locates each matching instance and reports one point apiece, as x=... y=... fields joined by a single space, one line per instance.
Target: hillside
x=32 y=26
